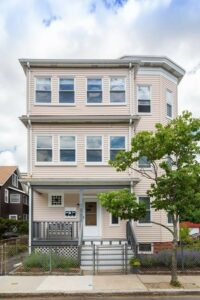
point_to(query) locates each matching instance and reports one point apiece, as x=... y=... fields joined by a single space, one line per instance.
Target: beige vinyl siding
x=81 y=170
x=80 y=85
x=110 y=231
x=151 y=232
x=41 y=211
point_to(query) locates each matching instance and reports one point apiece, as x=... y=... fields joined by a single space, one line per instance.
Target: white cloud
x=88 y=29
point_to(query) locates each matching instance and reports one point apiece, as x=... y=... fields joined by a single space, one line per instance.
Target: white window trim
x=93 y=163
x=74 y=163
x=137 y=93
x=125 y=83
x=102 y=90
x=10 y=217
x=58 y=89
x=6 y=196
x=45 y=163
x=18 y=201
x=35 y=79
x=145 y=252
x=116 y=135
x=167 y=102
x=145 y=224
x=110 y=221
x=55 y=194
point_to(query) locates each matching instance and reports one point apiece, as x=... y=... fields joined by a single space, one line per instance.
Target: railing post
x=126 y=258
x=50 y=260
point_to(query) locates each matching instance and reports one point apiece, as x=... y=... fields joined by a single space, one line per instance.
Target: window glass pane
x=66 y=97
x=169 y=97
x=43 y=97
x=56 y=200
x=43 y=84
x=117 y=142
x=114 y=220
x=147 y=218
x=94 y=155
x=145 y=247
x=94 y=142
x=117 y=84
x=94 y=97
x=146 y=201
x=67 y=142
x=67 y=155
x=113 y=154
x=144 y=162
x=44 y=155
x=117 y=97
x=94 y=84
x=144 y=92
x=169 y=110
x=44 y=142
x=169 y=217
x=142 y=107
x=14 y=198
x=66 y=84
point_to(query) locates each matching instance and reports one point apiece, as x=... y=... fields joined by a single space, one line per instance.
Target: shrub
x=49 y=261
x=18 y=226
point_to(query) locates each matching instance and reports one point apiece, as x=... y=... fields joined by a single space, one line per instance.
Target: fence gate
x=112 y=258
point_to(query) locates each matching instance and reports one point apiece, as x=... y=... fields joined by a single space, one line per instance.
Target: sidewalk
x=90 y=285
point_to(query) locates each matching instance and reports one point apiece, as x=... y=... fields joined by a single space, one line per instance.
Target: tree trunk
x=174 y=276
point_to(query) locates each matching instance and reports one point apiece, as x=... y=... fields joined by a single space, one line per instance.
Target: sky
x=90 y=29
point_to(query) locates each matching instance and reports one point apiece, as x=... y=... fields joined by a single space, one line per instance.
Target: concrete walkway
x=102 y=284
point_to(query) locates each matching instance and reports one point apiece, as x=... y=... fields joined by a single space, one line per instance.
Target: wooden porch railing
x=56 y=230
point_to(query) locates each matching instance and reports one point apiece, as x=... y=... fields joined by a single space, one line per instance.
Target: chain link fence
x=12 y=252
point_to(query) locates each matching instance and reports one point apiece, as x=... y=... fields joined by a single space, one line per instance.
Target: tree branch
x=171 y=231
x=143 y=173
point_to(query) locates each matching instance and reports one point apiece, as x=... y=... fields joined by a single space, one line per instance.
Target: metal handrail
x=131 y=237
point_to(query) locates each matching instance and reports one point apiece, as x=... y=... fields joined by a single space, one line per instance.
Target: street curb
x=103 y=293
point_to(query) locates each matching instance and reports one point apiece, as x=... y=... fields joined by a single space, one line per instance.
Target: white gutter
x=17 y=190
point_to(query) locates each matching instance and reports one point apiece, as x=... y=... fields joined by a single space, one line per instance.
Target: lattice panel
x=66 y=251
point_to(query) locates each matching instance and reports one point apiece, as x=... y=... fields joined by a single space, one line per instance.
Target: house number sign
x=70 y=212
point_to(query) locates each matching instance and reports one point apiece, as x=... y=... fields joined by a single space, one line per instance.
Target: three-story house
x=80 y=113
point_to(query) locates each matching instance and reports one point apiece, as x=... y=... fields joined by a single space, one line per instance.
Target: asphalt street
x=181 y=297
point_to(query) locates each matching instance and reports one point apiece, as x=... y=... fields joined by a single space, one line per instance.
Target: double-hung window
x=6 y=196
x=15 y=198
x=169 y=103
x=94 y=149
x=117 y=143
x=94 y=90
x=147 y=218
x=114 y=220
x=144 y=98
x=66 y=91
x=117 y=90
x=43 y=90
x=44 y=149
x=15 y=180
x=68 y=149
x=143 y=162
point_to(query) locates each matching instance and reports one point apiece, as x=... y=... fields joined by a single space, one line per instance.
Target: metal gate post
x=93 y=250
x=126 y=258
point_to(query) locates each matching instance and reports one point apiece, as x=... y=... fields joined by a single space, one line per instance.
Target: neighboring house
x=80 y=113
x=194 y=228
x=13 y=196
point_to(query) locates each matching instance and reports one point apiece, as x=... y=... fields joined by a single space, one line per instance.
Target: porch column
x=81 y=216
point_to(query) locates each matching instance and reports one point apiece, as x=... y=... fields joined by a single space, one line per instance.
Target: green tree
x=175 y=174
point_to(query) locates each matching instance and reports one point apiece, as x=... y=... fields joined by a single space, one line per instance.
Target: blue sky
x=90 y=29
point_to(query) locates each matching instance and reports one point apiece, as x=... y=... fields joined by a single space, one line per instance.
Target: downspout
x=28 y=89
x=29 y=147
x=30 y=217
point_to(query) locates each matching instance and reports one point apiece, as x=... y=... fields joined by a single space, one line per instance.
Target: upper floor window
x=67 y=148
x=94 y=149
x=117 y=90
x=144 y=99
x=143 y=162
x=15 y=180
x=169 y=103
x=14 y=198
x=43 y=90
x=147 y=217
x=44 y=149
x=6 y=196
x=94 y=90
x=117 y=143
x=66 y=90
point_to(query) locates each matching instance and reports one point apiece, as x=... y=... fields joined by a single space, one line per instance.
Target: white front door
x=91 y=223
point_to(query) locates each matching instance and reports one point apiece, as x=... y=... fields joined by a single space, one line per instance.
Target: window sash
x=6 y=196
x=15 y=180
x=94 y=90
x=145 y=247
x=169 y=110
x=44 y=152
x=15 y=198
x=43 y=90
x=66 y=90
x=56 y=200
x=117 y=90
x=144 y=99
x=94 y=149
x=67 y=148
x=114 y=220
x=114 y=148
